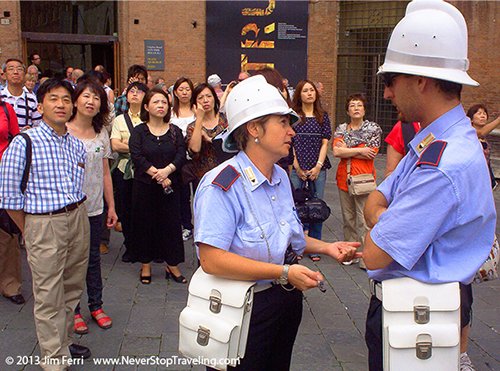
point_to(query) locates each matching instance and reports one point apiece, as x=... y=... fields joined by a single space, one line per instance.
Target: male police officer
x=434 y=218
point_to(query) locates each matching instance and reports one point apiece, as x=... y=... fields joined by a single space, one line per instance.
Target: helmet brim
x=459 y=77
x=229 y=144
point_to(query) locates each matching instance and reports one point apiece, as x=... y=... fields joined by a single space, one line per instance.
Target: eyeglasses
x=389 y=77
x=12 y=69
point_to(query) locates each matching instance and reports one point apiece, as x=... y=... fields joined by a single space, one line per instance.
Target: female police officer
x=244 y=221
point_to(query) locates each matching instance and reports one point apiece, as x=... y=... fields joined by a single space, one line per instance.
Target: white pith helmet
x=431 y=41
x=250 y=99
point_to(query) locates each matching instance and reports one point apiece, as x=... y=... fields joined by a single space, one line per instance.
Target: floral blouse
x=206 y=159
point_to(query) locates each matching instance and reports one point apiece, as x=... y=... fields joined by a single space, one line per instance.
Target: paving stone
x=145 y=317
x=311 y=349
x=146 y=320
x=140 y=346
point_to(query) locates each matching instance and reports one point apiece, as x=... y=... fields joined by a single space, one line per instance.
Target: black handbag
x=310 y=208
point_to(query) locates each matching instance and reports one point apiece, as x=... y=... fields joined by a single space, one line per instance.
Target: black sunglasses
x=389 y=77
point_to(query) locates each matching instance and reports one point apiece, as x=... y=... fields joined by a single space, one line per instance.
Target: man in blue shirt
x=53 y=220
x=434 y=217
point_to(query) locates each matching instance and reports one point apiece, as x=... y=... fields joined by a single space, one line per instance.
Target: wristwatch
x=283 y=280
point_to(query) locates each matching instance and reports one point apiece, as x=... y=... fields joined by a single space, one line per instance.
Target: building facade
x=346 y=42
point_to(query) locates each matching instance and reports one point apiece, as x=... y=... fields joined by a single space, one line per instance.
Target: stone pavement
x=145 y=316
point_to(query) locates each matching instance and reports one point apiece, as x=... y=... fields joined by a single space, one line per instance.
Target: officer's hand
x=303 y=278
x=344 y=251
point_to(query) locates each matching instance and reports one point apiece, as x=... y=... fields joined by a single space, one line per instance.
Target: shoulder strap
x=432 y=154
x=226 y=178
x=128 y=120
x=26 y=173
x=408 y=134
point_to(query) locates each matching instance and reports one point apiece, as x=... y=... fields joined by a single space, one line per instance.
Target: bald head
x=76 y=74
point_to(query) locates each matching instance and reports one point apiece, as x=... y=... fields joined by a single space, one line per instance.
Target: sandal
x=79 y=326
x=102 y=319
x=145 y=280
x=178 y=279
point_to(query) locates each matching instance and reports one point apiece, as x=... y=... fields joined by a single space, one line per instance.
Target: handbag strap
x=348 y=166
x=128 y=121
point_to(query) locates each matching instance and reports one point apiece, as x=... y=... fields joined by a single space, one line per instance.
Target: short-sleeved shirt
x=440 y=221
x=56 y=172
x=309 y=139
x=182 y=122
x=8 y=126
x=25 y=106
x=395 y=137
x=97 y=149
x=120 y=131
x=240 y=219
x=368 y=135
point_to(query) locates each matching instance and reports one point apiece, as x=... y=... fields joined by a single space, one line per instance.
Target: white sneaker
x=466 y=363
x=187 y=234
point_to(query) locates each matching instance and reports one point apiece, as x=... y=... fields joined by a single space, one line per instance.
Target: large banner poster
x=249 y=35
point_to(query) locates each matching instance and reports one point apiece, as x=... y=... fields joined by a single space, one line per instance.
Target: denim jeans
x=94 y=280
x=319 y=184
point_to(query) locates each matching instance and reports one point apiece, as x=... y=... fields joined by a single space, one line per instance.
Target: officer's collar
x=251 y=174
x=436 y=129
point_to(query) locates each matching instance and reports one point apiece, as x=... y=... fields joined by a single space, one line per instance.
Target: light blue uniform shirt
x=224 y=219
x=440 y=223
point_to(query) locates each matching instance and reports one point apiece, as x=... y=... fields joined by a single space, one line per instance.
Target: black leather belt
x=65 y=209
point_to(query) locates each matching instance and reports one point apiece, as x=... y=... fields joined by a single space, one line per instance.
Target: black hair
x=145 y=102
x=138 y=85
x=199 y=88
x=178 y=83
x=32 y=55
x=94 y=87
x=476 y=107
x=51 y=84
x=451 y=89
x=95 y=76
x=137 y=69
x=356 y=96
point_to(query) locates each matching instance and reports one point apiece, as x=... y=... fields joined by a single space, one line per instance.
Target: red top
x=395 y=137
x=7 y=127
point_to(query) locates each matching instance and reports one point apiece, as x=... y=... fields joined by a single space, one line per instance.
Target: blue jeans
x=319 y=184
x=94 y=280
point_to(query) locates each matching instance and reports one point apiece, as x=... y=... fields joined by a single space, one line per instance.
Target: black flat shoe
x=79 y=351
x=178 y=279
x=145 y=280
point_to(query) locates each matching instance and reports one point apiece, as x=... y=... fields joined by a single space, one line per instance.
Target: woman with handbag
x=158 y=152
x=245 y=220
x=356 y=144
x=122 y=173
x=310 y=146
